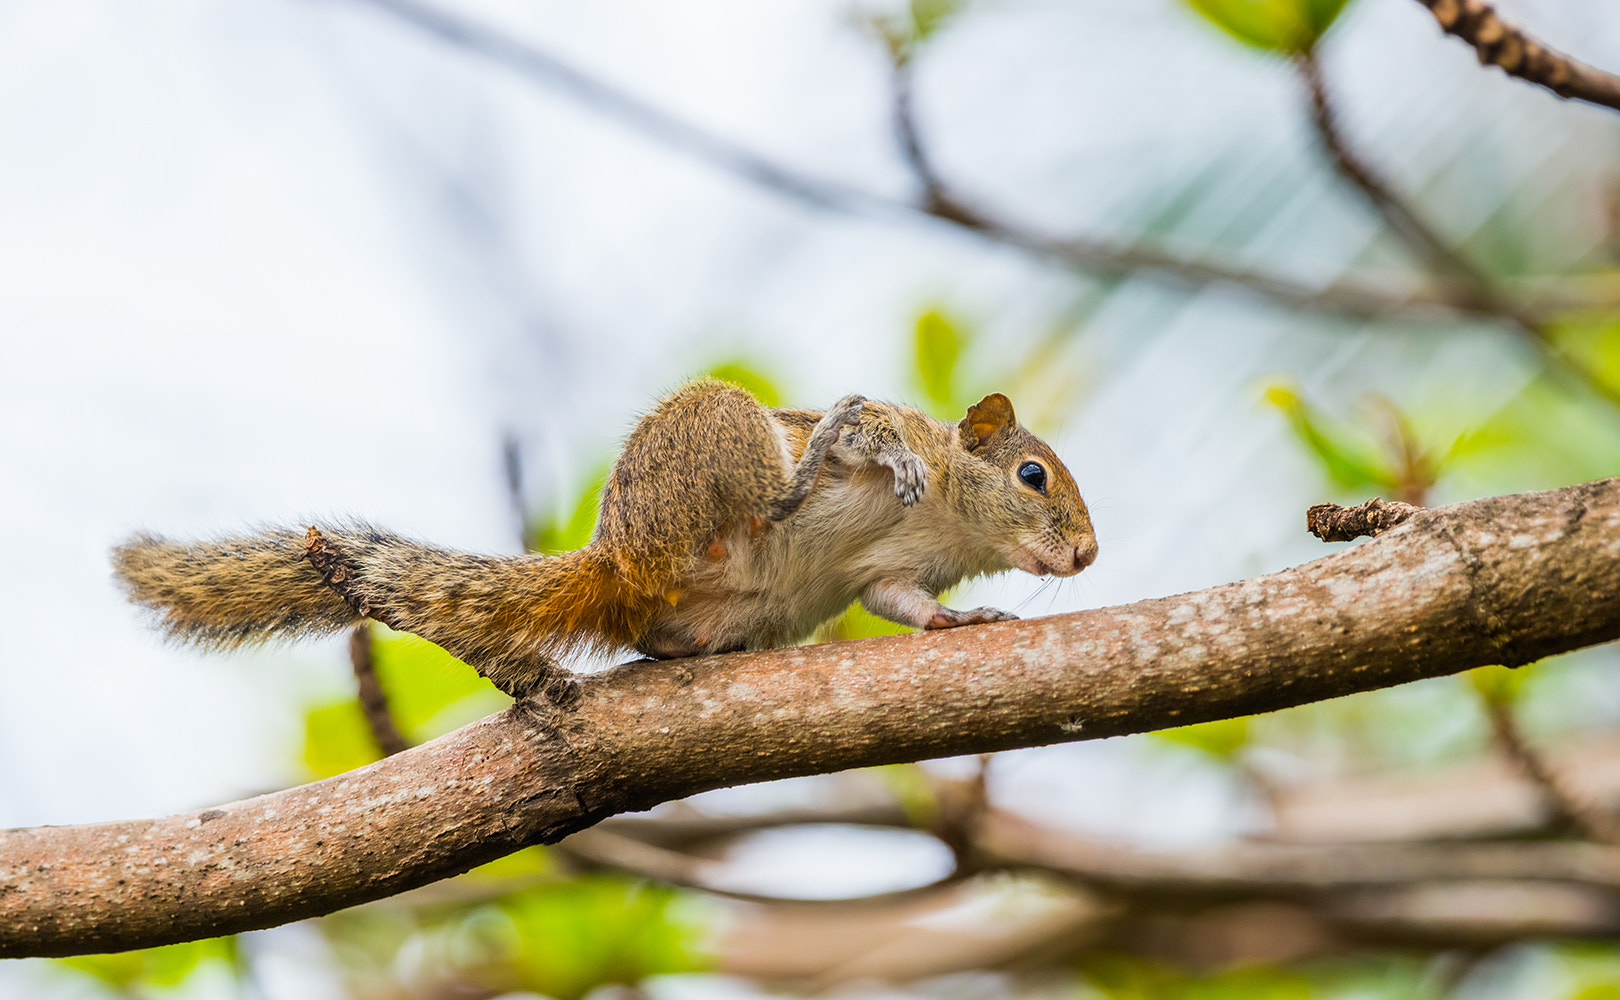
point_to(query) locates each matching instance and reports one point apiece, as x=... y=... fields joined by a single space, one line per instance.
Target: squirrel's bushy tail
x=509 y=616
x=230 y=591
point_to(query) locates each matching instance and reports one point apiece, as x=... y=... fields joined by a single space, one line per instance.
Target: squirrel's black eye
x=1033 y=476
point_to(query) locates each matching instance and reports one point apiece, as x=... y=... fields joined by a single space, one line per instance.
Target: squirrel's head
x=1022 y=494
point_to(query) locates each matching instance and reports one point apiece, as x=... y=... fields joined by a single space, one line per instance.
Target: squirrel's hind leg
x=708 y=457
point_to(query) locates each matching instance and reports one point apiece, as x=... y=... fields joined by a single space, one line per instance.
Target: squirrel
x=725 y=525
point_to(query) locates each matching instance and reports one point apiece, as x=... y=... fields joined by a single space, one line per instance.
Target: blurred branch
x=1567 y=810
x=1094 y=257
x=1463 y=283
x=1504 y=580
x=540 y=67
x=1289 y=869
x=601 y=847
x=373 y=702
x=1502 y=43
x=512 y=480
x=1213 y=905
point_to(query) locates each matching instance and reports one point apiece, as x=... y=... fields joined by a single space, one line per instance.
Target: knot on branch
x=335 y=569
x=1500 y=43
x=1332 y=523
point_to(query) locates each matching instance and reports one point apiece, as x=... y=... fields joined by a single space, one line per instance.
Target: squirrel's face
x=1022 y=495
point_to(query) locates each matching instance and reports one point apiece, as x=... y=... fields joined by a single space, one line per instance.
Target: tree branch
x=1504 y=580
x=1501 y=43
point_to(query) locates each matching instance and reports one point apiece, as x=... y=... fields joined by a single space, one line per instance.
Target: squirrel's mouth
x=1032 y=564
x=1045 y=564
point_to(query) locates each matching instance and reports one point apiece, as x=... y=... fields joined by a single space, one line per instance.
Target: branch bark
x=1503 y=580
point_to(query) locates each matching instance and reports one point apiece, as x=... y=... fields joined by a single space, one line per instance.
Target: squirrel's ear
x=985 y=419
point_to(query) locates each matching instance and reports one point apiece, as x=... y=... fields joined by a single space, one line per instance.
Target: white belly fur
x=776 y=589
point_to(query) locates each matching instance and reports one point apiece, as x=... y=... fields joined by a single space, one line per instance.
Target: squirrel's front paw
x=951 y=618
x=910 y=476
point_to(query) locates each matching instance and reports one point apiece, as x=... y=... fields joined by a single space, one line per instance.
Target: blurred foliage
x=936 y=358
x=1223 y=738
x=134 y=972
x=1354 y=458
x=1350 y=462
x=560 y=939
x=1287 y=27
x=907 y=29
x=1500 y=685
x=1592 y=342
x=1121 y=977
x=747 y=377
x=1359 y=977
x=570 y=527
x=1547 y=435
x=913 y=789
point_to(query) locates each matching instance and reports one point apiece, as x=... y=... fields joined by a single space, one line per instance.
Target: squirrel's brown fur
x=724 y=525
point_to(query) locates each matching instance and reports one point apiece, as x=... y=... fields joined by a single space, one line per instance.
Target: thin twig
x=373 y=702
x=1502 y=43
x=1345 y=298
x=963 y=805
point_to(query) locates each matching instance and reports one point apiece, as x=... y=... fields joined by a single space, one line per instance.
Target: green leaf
x=1222 y=738
x=907 y=31
x=165 y=966
x=1499 y=685
x=1289 y=27
x=337 y=739
x=1349 y=464
x=929 y=16
x=858 y=623
x=1550 y=434
x=751 y=379
x=939 y=346
x=429 y=692
x=912 y=789
x=572 y=530
x=529 y=863
x=1591 y=342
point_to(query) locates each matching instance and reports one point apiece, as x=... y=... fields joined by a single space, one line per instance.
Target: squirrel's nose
x=1085 y=555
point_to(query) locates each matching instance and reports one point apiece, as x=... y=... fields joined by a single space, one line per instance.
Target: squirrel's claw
x=951 y=618
x=910 y=476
